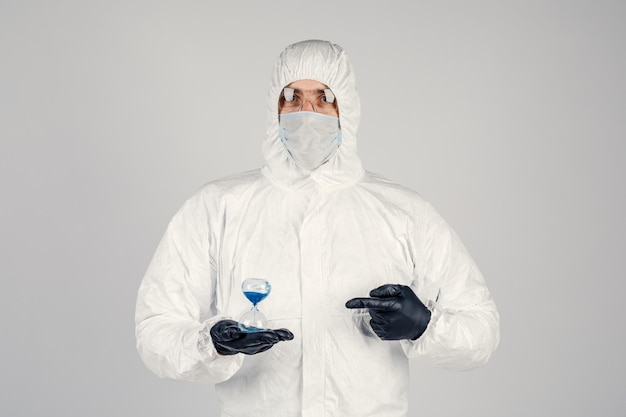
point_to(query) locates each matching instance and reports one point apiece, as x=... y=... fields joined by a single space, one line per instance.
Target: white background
x=509 y=116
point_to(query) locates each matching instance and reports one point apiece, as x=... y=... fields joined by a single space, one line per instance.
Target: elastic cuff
x=206 y=346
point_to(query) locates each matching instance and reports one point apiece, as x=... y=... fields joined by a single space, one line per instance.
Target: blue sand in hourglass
x=255 y=297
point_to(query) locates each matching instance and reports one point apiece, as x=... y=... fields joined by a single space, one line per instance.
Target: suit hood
x=327 y=63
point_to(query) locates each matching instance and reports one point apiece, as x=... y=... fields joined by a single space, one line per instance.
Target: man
x=325 y=233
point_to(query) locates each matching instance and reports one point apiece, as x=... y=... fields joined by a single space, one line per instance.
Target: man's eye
x=292 y=100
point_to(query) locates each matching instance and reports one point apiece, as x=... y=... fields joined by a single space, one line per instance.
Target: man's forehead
x=307 y=85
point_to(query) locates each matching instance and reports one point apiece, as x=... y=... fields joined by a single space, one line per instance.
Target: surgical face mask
x=310 y=138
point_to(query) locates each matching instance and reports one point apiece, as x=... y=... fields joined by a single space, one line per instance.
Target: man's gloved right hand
x=228 y=338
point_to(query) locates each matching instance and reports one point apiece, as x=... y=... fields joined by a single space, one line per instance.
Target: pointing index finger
x=373 y=303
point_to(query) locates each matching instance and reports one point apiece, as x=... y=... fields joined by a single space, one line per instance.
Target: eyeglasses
x=320 y=101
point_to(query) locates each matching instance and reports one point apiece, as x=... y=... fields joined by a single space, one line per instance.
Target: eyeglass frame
x=322 y=106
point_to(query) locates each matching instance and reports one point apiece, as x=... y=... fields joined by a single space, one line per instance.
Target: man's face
x=307 y=95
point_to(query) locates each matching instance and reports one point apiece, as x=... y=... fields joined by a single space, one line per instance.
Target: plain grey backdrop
x=509 y=116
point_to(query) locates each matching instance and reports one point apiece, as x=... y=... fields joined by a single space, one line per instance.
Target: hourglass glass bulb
x=255 y=290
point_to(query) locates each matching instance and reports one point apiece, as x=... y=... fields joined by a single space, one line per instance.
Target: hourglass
x=255 y=290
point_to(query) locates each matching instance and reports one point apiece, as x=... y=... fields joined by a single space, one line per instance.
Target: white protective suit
x=320 y=239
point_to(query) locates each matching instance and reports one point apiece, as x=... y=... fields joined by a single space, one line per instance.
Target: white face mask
x=310 y=138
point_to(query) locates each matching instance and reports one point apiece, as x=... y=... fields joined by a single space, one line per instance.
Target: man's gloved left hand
x=396 y=312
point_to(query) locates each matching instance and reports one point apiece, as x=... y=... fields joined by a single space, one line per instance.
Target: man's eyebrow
x=296 y=90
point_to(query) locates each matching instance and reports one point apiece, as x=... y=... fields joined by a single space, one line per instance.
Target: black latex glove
x=396 y=312
x=228 y=338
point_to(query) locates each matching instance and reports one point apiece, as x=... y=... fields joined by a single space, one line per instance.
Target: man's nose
x=307 y=106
